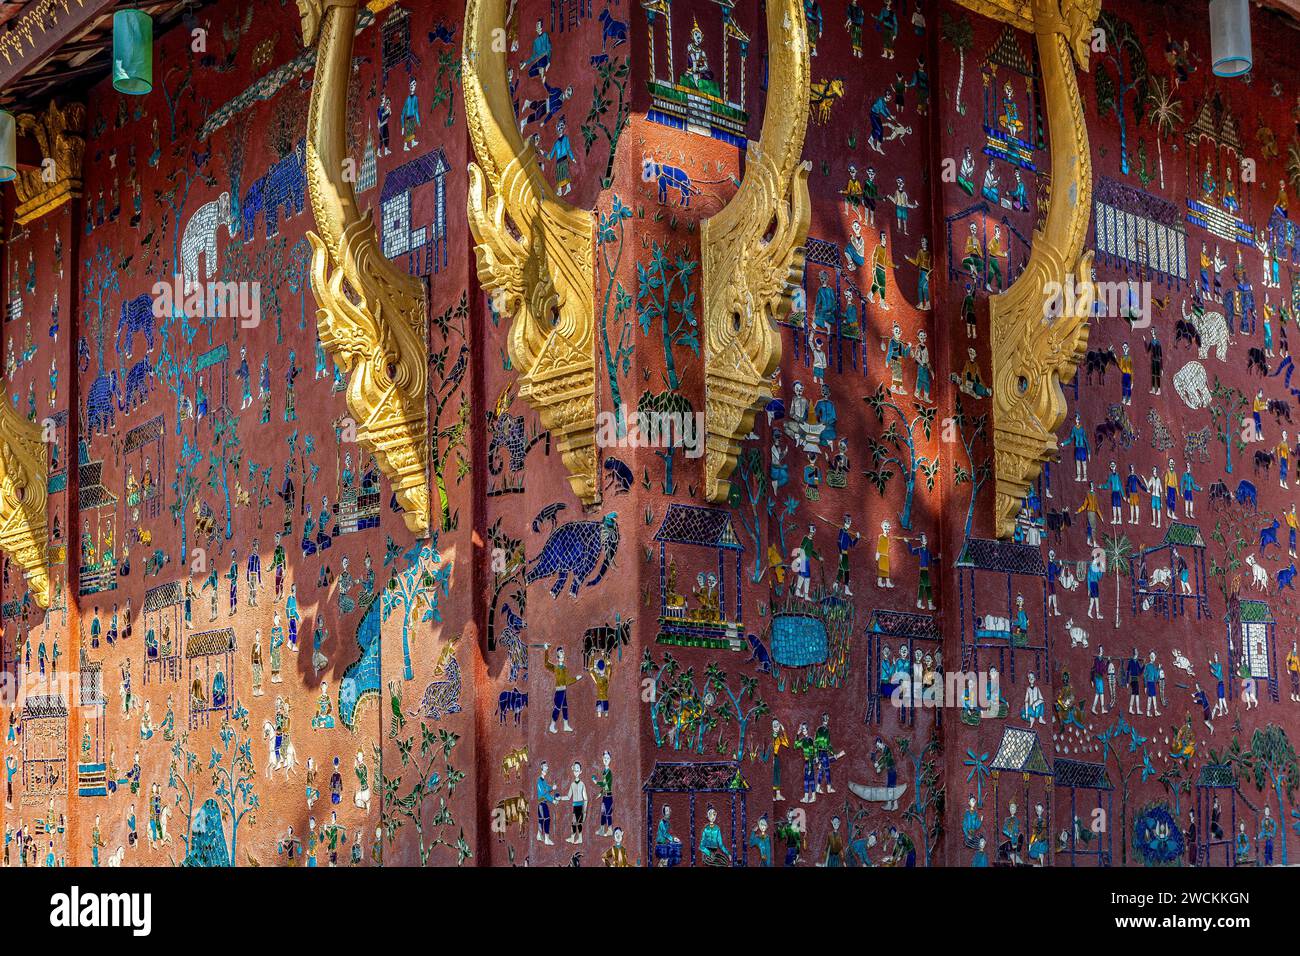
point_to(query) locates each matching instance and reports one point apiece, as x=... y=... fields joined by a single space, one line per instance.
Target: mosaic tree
x=694 y=707
x=1121 y=69
x=232 y=772
x=101 y=282
x=1233 y=533
x=978 y=773
x=928 y=791
x=1165 y=114
x=658 y=680
x=611 y=92
x=263 y=268
x=298 y=279
x=897 y=447
x=446 y=378
x=1227 y=407
x=657 y=306
x=184 y=487
x=618 y=356
x=268 y=267
x=236 y=155
x=445 y=83
x=959 y=34
x=751 y=487
x=286 y=125
x=742 y=704
x=182 y=179
x=972 y=433
x=1176 y=782
x=177 y=78
x=1116 y=549
x=667 y=406
x=420 y=585
x=781 y=513
x=434 y=776
x=175 y=371
x=301 y=449
x=508 y=564
x=695 y=710
x=186 y=795
x=236 y=267
x=1118 y=739
x=223 y=459
x=1269 y=762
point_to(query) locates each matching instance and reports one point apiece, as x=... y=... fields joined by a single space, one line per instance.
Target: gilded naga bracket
x=1033 y=352
x=753 y=254
x=535 y=255
x=23 y=534
x=372 y=318
x=59 y=132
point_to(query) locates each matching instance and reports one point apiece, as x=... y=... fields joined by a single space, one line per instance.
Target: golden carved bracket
x=372 y=318
x=753 y=254
x=23 y=534
x=1032 y=354
x=59 y=133
x=535 y=255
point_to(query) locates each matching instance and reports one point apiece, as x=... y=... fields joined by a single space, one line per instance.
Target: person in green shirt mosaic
x=605 y=784
x=789 y=831
x=808 y=747
x=825 y=754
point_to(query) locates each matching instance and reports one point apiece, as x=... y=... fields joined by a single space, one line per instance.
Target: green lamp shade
x=8 y=147
x=132 y=52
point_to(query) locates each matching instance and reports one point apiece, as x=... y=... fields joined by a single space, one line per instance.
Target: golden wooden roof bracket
x=1032 y=354
x=535 y=255
x=23 y=530
x=372 y=318
x=752 y=254
x=60 y=135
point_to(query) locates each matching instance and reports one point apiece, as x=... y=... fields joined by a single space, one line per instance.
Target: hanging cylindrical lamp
x=132 y=52
x=1230 y=37
x=8 y=146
